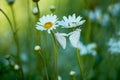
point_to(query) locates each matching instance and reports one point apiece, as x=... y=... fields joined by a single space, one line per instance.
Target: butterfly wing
x=74 y=38
x=61 y=39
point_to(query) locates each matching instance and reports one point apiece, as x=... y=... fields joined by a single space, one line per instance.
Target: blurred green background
x=98 y=29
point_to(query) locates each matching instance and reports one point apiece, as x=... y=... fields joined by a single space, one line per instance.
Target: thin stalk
x=39 y=35
x=79 y=63
x=47 y=56
x=55 y=54
x=13 y=14
x=44 y=64
x=73 y=78
x=38 y=9
x=88 y=35
x=17 y=41
x=29 y=33
x=11 y=26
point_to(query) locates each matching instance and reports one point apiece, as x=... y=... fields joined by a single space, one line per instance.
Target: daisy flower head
x=48 y=22
x=71 y=21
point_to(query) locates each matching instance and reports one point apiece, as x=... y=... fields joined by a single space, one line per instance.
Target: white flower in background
x=74 y=37
x=114 y=9
x=61 y=39
x=71 y=21
x=92 y=16
x=114 y=45
x=118 y=33
x=90 y=48
x=48 y=22
x=87 y=49
x=101 y=18
x=98 y=14
x=105 y=19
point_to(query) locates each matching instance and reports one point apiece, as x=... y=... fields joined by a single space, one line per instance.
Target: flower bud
x=37 y=48
x=52 y=8
x=36 y=0
x=72 y=73
x=59 y=78
x=35 y=11
x=16 y=67
x=10 y=2
x=7 y=57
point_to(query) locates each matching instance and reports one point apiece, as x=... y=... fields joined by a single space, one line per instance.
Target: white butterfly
x=73 y=37
x=61 y=39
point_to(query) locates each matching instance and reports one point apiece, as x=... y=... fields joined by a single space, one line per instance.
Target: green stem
x=29 y=33
x=38 y=9
x=44 y=64
x=55 y=54
x=80 y=64
x=17 y=42
x=11 y=26
x=38 y=33
x=47 y=56
x=73 y=78
x=88 y=35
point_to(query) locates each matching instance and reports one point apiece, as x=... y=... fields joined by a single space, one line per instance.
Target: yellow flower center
x=48 y=25
x=73 y=22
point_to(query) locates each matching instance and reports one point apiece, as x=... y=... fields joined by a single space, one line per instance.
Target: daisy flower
x=48 y=22
x=87 y=49
x=71 y=21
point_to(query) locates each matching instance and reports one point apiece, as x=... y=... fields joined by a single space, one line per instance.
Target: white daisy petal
x=65 y=18
x=40 y=28
x=81 y=22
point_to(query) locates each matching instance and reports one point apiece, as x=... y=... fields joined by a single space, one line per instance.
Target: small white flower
x=48 y=22
x=87 y=49
x=82 y=48
x=91 y=15
x=71 y=21
x=114 y=9
x=114 y=45
x=61 y=39
x=75 y=37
